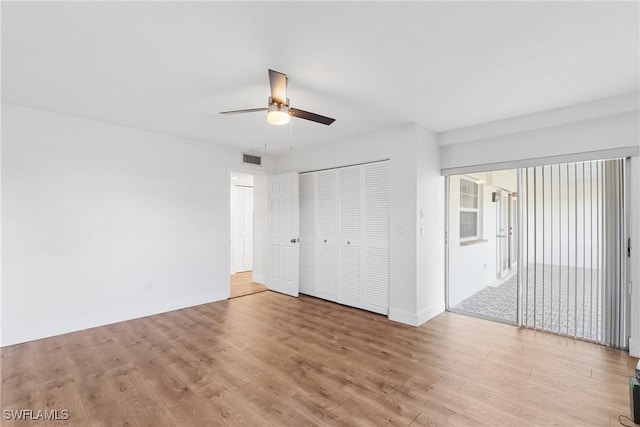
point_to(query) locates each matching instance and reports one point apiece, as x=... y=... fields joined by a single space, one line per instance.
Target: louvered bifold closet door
x=350 y=236
x=307 y=183
x=376 y=237
x=326 y=283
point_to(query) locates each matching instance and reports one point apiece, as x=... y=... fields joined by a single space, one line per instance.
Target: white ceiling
x=170 y=67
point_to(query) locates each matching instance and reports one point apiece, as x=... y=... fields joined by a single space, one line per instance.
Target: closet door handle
x=325 y=240
x=348 y=242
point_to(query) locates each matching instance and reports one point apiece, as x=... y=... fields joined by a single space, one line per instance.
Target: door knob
x=295 y=240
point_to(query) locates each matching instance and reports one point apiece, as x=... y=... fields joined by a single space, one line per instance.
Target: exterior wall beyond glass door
x=481 y=280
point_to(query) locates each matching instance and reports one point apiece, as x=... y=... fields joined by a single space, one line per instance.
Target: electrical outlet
x=148 y=286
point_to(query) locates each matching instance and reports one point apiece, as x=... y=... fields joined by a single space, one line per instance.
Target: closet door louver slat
x=327 y=254
x=307 y=184
x=350 y=229
x=376 y=237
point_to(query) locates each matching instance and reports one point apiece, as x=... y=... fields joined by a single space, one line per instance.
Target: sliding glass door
x=482 y=278
x=542 y=247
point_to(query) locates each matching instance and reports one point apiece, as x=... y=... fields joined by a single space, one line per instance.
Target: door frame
x=512 y=230
x=249 y=171
x=447 y=245
x=502 y=234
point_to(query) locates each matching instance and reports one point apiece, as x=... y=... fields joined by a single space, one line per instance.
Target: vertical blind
x=573 y=248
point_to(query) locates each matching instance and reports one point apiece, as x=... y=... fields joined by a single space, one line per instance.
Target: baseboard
x=259 y=279
x=416 y=319
x=52 y=329
x=405 y=317
x=430 y=312
x=634 y=347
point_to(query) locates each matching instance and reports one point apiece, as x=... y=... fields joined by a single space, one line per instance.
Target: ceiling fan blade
x=249 y=110
x=278 y=82
x=301 y=114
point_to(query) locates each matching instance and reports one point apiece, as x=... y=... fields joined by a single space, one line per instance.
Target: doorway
x=247 y=222
x=481 y=279
x=242 y=224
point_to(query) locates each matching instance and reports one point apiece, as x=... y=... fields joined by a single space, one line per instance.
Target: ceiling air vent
x=252 y=160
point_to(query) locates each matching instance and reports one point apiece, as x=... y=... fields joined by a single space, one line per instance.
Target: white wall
x=430 y=297
x=571 y=114
x=414 y=169
x=617 y=131
x=94 y=213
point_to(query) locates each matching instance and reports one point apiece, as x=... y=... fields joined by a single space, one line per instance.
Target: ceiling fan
x=278 y=108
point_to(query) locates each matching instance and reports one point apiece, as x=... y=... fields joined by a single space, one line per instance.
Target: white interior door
x=247 y=229
x=308 y=233
x=242 y=226
x=376 y=210
x=326 y=284
x=350 y=231
x=284 y=223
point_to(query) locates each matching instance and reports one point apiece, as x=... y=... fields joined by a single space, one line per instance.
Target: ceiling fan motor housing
x=278 y=113
x=276 y=103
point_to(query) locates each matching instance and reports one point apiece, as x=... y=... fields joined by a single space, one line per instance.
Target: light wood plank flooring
x=269 y=359
x=242 y=285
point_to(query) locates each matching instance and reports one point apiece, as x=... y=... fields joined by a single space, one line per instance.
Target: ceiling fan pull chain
x=266 y=129
x=291 y=135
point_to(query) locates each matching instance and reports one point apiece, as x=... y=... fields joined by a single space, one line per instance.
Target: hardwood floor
x=269 y=359
x=242 y=285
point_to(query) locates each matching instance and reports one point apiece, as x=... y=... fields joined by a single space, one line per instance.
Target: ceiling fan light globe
x=278 y=117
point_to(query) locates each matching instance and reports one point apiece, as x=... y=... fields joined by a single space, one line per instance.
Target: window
x=469 y=210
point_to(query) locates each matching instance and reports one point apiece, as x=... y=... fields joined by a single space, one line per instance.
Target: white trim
x=477 y=210
x=248 y=171
x=549 y=160
x=634 y=348
x=405 y=317
x=430 y=312
x=344 y=166
x=416 y=319
x=259 y=279
x=53 y=329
